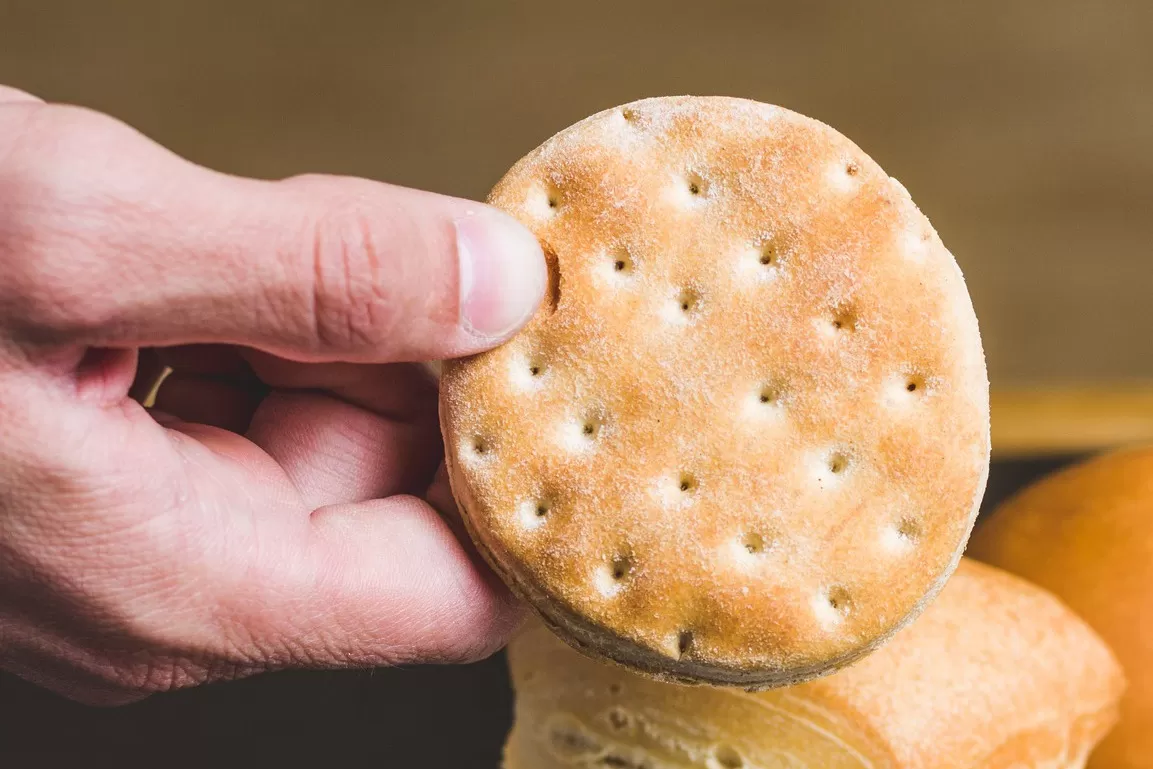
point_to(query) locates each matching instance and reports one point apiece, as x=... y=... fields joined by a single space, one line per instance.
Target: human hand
x=261 y=516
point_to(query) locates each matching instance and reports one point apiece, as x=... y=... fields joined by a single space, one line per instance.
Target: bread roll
x=743 y=440
x=996 y=674
x=1086 y=534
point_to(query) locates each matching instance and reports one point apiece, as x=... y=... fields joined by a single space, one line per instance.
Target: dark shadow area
x=428 y=717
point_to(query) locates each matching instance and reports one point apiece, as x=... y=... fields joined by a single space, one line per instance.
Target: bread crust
x=752 y=417
x=1086 y=534
x=996 y=674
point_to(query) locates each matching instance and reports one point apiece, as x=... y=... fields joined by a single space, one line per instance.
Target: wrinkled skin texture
x=281 y=504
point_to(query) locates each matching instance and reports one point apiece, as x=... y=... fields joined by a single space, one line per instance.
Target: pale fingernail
x=502 y=273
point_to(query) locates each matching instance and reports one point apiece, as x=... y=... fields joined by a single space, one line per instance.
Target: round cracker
x=744 y=439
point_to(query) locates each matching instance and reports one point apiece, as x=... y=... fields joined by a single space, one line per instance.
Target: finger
x=402 y=589
x=372 y=434
x=123 y=243
x=440 y=496
x=104 y=375
x=10 y=95
x=336 y=452
x=401 y=392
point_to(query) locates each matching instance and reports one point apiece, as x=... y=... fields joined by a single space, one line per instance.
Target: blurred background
x=1024 y=130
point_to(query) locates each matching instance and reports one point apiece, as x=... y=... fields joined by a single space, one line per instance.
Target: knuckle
x=350 y=296
x=56 y=148
x=50 y=220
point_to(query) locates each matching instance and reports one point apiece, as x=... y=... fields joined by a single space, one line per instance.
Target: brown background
x=1023 y=129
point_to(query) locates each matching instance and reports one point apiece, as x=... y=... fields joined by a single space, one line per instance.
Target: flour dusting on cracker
x=757 y=416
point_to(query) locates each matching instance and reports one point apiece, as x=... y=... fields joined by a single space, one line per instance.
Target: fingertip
x=502 y=274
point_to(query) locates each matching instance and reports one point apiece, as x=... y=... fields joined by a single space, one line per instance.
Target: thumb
x=122 y=243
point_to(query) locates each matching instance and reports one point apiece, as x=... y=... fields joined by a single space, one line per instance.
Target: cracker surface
x=743 y=440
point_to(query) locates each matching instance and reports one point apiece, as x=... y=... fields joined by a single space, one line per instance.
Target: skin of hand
x=281 y=505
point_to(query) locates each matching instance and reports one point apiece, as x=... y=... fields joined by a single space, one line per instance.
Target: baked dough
x=744 y=439
x=996 y=674
x=1086 y=533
